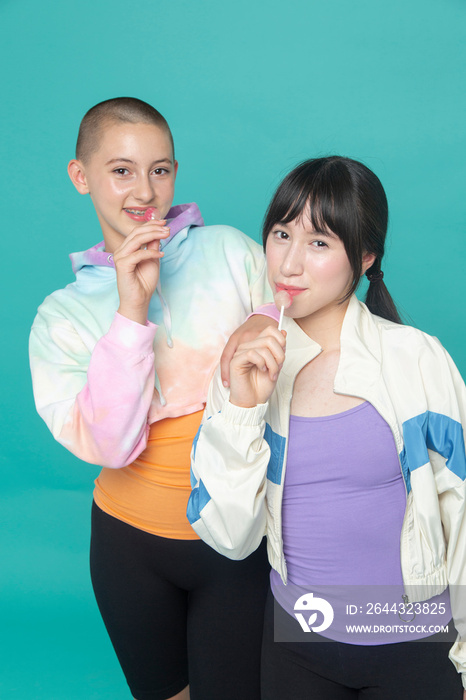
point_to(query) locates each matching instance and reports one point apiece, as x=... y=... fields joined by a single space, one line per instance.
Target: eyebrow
x=323 y=232
x=127 y=160
x=311 y=232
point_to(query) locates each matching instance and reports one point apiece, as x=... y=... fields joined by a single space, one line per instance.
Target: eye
x=160 y=171
x=121 y=171
x=319 y=244
x=281 y=235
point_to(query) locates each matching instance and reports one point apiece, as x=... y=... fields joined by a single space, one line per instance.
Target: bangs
x=323 y=191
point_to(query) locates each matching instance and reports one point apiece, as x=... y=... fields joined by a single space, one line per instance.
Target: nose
x=144 y=188
x=292 y=263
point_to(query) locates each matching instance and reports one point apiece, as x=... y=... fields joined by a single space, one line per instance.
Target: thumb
x=227 y=355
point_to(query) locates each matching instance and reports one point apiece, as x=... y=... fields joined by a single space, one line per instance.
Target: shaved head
x=118 y=109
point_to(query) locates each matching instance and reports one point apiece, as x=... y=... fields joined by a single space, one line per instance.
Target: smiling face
x=311 y=270
x=132 y=170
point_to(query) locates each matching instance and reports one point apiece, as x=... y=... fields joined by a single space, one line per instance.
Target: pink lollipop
x=150 y=213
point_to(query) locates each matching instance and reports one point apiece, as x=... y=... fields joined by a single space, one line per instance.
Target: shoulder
x=83 y=303
x=57 y=304
x=224 y=248
x=226 y=236
x=397 y=335
x=413 y=351
x=407 y=337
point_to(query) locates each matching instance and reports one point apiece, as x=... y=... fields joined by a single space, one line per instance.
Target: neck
x=325 y=327
x=112 y=241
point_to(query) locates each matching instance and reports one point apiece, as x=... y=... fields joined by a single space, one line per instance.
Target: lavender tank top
x=343 y=506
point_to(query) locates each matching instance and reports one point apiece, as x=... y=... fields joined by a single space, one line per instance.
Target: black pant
x=177 y=612
x=337 y=671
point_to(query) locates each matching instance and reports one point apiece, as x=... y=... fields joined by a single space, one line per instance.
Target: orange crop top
x=152 y=493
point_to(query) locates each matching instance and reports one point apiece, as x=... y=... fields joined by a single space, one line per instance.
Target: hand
x=248 y=331
x=137 y=264
x=255 y=367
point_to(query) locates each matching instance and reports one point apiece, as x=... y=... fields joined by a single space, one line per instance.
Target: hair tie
x=375 y=276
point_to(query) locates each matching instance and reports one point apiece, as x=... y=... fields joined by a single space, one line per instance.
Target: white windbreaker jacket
x=239 y=455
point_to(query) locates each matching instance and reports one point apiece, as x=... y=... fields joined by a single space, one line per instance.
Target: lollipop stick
x=280 y=320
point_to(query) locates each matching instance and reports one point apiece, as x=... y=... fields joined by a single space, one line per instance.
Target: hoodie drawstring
x=167 y=322
x=167 y=318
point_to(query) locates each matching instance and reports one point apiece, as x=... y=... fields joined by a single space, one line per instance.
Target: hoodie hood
x=179 y=217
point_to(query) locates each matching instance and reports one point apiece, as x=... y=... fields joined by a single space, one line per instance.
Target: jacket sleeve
x=94 y=402
x=445 y=438
x=228 y=475
x=452 y=499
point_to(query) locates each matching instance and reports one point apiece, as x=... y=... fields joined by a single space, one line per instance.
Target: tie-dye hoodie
x=100 y=379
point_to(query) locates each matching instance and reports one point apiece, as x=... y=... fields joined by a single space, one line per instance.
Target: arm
x=90 y=401
x=228 y=471
x=445 y=437
x=230 y=457
x=95 y=397
x=453 y=512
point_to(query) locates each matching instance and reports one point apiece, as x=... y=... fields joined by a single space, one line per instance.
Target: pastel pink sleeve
x=269 y=310
x=95 y=405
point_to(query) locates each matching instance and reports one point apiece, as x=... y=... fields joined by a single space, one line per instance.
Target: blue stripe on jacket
x=197 y=501
x=200 y=496
x=436 y=432
x=277 y=445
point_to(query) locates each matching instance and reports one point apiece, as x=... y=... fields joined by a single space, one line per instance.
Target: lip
x=292 y=291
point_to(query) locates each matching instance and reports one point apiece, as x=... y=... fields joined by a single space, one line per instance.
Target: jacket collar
x=359 y=368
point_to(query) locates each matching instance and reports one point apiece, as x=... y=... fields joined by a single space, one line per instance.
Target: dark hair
x=118 y=109
x=344 y=196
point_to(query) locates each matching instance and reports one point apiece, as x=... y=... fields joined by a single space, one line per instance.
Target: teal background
x=249 y=88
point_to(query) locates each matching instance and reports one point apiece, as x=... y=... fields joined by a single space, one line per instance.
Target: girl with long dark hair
x=342 y=437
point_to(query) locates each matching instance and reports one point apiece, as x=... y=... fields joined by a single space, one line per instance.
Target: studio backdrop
x=249 y=89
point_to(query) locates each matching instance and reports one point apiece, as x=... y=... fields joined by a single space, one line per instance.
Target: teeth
x=138 y=212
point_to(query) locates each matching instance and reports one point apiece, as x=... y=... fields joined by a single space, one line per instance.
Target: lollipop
x=150 y=213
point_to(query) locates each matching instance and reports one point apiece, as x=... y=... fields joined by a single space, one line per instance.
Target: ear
x=368 y=259
x=78 y=176
x=175 y=164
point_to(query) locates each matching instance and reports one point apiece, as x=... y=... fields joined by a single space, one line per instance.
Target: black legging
x=336 y=671
x=177 y=612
